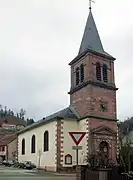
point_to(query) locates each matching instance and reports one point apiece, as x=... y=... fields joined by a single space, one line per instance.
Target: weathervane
x=90 y=1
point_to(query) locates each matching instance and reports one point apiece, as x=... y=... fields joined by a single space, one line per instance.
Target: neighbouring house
x=92 y=110
x=9 y=147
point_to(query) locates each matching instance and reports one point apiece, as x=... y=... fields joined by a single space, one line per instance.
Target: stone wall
x=84 y=173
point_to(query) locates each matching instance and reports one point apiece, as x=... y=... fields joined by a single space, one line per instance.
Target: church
x=92 y=110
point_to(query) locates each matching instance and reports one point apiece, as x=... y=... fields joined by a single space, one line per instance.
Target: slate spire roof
x=91 y=39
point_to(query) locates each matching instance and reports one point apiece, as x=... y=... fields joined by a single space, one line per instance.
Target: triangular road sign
x=77 y=136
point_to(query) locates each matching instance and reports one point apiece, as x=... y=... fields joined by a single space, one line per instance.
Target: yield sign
x=77 y=136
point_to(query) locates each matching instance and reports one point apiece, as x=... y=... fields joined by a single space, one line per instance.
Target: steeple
x=91 y=39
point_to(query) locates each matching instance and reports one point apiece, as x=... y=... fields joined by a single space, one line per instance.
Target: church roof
x=91 y=41
x=91 y=38
x=65 y=113
x=68 y=112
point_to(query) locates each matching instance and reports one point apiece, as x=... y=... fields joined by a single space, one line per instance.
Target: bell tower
x=93 y=89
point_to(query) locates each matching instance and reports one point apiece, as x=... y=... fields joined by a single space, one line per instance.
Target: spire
x=91 y=39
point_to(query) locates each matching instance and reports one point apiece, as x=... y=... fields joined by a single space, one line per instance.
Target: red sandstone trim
x=59 y=144
x=87 y=137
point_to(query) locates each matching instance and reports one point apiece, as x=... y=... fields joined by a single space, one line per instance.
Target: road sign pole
x=77 y=156
x=77 y=137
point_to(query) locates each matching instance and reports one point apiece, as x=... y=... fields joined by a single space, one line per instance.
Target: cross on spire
x=90 y=3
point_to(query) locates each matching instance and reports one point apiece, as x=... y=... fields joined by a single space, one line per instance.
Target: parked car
x=8 y=163
x=11 y=163
x=16 y=164
x=26 y=165
x=29 y=165
x=21 y=165
x=4 y=162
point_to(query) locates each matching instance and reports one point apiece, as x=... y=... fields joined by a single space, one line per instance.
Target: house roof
x=7 y=139
x=12 y=120
x=4 y=132
x=68 y=112
x=91 y=39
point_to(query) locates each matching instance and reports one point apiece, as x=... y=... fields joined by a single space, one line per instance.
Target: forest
x=4 y=111
x=126 y=126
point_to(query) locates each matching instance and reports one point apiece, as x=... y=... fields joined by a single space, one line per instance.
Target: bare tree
x=22 y=113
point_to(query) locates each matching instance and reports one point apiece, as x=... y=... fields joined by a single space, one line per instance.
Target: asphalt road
x=7 y=173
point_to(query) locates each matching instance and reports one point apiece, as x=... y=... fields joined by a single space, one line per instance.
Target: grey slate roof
x=68 y=112
x=91 y=39
x=65 y=113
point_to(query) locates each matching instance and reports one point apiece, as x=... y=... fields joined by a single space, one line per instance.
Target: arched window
x=105 y=73
x=77 y=76
x=23 y=146
x=33 y=144
x=81 y=73
x=46 y=141
x=98 y=71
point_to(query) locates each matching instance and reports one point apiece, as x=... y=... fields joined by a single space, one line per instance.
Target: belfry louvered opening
x=77 y=76
x=98 y=71
x=81 y=73
x=105 y=73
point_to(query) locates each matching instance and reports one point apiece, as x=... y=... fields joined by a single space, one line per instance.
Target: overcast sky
x=38 y=38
